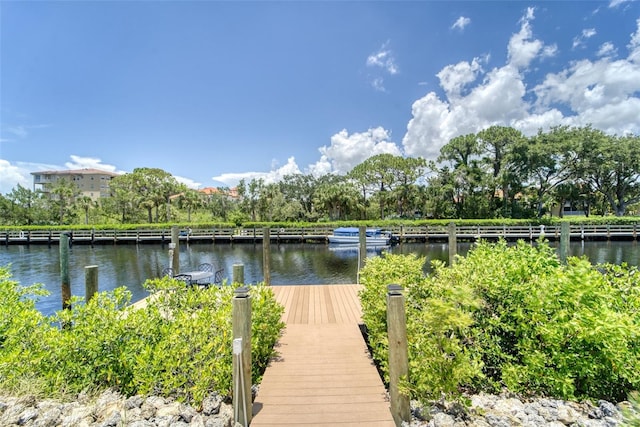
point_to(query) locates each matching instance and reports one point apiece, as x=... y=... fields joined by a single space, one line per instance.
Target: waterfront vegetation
x=179 y=345
x=511 y=317
x=506 y=317
x=497 y=173
x=388 y=224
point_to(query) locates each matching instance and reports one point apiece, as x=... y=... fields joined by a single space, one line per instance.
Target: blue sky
x=217 y=91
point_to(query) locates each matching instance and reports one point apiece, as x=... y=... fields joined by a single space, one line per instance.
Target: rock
x=147 y=410
x=497 y=421
x=133 y=402
x=111 y=409
x=508 y=406
x=187 y=413
x=155 y=401
x=211 y=405
x=548 y=413
x=27 y=415
x=608 y=409
x=141 y=423
x=170 y=410
x=113 y=421
x=12 y=414
x=48 y=417
x=198 y=420
x=105 y=410
x=441 y=419
x=567 y=416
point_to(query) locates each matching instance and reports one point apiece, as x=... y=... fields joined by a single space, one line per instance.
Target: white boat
x=351 y=235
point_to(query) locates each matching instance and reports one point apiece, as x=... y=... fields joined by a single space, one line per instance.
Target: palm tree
x=85 y=203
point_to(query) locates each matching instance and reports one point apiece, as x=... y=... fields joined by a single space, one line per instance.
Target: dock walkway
x=323 y=374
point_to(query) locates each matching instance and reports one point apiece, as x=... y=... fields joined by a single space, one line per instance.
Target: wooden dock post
x=175 y=256
x=362 y=240
x=266 y=255
x=241 y=319
x=398 y=354
x=90 y=281
x=65 y=281
x=453 y=243
x=238 y=274
x=565 y=238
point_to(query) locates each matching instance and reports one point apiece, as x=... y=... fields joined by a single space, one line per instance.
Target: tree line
x=495 y=173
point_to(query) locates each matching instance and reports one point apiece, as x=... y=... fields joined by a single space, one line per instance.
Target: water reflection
x=131 y=265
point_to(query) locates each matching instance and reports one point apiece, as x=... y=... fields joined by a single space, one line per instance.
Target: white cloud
x=384 y=59
x=188 y=182
x=378 y=84
x=588 y=85
x=607 y=49
x=522 y=49
x=347 y=151
x=461 y=23
x=634 y=44
x=586 y=34
x=616 y=3
x=273 y=176
x=603 y=93
x=13 y=174
x=79 y=162
x=454 y=78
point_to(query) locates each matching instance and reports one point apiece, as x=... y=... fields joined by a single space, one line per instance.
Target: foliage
x=511 y=316
x=632 y=414
x=178 y=345
x=496 y=173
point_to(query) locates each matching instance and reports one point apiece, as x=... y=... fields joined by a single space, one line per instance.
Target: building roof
x=231 y=192
x=85 y=171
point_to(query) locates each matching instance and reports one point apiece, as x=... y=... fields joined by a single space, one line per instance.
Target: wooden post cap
x=241 y=292
x=394 y=289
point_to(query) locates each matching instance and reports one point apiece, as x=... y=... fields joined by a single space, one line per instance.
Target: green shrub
x=178 y=345
x=512 y=316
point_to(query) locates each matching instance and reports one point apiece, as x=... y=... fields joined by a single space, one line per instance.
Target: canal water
x=130 y=264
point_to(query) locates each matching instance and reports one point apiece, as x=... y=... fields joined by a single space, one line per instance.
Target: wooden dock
x=323 y=374
x=433 y=233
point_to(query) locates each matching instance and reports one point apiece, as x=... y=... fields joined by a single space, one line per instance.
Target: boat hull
x=354 y=240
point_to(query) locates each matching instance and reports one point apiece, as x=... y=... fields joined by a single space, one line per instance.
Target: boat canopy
x=355 y=231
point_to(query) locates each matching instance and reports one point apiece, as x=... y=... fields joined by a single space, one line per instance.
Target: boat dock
x=425 y=234
x=323 y=374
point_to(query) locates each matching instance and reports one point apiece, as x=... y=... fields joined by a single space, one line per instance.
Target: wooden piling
x=65 y=281
x=266 y=255
x=453 y=243
x=362 y=240
x=238 y=274
x=565 y=238
x=90 y=281
x=175 y=240
x=241 y=319
x=398 y=354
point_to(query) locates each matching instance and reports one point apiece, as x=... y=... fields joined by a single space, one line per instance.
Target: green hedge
x=511 y=316
x=180 y=345
x=613 y=220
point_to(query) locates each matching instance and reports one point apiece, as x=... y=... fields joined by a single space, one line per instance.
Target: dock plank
x=323 y=374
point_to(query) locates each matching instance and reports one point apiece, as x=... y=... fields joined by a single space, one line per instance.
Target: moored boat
x=351 y=235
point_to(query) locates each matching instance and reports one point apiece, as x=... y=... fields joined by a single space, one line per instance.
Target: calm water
x=131 y=265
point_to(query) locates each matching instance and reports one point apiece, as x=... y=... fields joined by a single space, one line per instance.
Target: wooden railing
x=319 y=234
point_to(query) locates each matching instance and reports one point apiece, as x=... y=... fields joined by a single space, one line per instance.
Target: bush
x=512 y=316
x=179 y=345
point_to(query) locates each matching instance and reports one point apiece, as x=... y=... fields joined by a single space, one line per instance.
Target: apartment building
x=90 y=182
